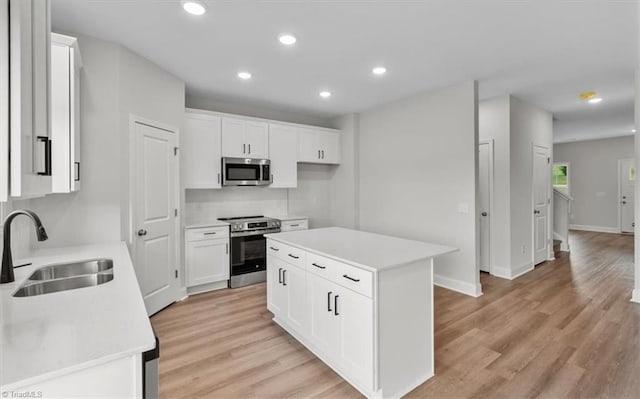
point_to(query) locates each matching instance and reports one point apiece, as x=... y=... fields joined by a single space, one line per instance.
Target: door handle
x=227 y=248
x=280 y=275
x=284 y=277
x=318 y=154
x=142 y=232
x=350 y=278
x=274 y=249
x=249 y=148
x=318 y=266
x=294 y=257
x=536 y=212
x=322 y=154
x=329 y=301
x=244 y=148
x=623 y=202
x=77 y=171
x=484 y=213
x=335 y=305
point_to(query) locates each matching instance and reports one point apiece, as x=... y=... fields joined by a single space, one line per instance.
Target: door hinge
x=176 y=212
x=176 y=273
x=175 y=151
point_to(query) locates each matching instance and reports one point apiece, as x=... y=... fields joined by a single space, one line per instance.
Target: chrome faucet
x=6 y=274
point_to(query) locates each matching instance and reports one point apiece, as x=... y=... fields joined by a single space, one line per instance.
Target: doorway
x=626 y=194
x=541 y=201
x=485 y=191
x=154 y=212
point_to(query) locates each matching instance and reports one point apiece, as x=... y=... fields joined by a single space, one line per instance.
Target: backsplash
x=204 y=205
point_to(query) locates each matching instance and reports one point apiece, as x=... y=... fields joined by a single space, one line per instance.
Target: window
x=560 y=177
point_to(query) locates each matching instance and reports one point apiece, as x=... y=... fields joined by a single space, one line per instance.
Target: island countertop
x=47 y=336
x=369 y=251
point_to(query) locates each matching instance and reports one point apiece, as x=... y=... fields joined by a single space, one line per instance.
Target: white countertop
x=366 y=250
x=50 y=335
x=285 y=218
x=196 y=224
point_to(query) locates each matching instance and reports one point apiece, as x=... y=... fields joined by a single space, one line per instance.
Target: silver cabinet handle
x=244 y=148
x=318 y=154
x=284 y=277
x=227 y=247
x=142 y=232
x=322 y=154
x=249 y=148
x=209 y=233
x=77 y=171
x=280 y=275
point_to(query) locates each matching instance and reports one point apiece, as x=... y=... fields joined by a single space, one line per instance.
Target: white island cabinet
x=362 y=302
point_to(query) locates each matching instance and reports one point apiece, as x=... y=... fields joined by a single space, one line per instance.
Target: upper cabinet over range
x=244 y=138
x=209 y=136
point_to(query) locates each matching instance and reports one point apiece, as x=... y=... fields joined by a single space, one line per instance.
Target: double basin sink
x=67 y=276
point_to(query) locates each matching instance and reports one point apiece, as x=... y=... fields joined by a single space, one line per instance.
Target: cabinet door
x=200 y=154
x=283 y=153
x=207 y=261
x=233 y=138
x=329 y=147
x=309 y=146
x=355 y=313
x=323 y=324
x=276 y=291
x=294 y=279
x=61 y=135
x=256 y=137
x=30 y=165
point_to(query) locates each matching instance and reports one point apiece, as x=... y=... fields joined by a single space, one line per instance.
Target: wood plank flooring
x=566 y=329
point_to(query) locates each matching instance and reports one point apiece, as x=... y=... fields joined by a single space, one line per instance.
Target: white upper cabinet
x=283 y=153
x=244 y=138
x=65 y=113
x=4 y=100
x=29 y=53
x=319 y=146
x=201 y=155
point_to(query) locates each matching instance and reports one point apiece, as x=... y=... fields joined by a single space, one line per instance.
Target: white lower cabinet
x=207 y=256
x=288 y=296
x=293 y=225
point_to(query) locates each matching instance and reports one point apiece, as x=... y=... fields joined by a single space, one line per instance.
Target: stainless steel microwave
x=246 y=172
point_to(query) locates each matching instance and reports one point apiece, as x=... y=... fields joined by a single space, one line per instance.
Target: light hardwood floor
x=566 y=329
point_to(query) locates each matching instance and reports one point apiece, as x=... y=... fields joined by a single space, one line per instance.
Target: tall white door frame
x=544 y=208
x=490 y=147
x=629 y=201
x=134 y=213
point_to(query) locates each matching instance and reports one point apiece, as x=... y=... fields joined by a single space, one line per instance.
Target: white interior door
x=627 y=183
x=541 y=199
x=155 y=220
x=485 y=171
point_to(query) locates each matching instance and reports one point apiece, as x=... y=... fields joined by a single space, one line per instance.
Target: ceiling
x=545 y=51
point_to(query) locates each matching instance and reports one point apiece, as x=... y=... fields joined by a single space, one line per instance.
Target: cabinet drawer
x=291 y=225
x=207 y=233
x=286 y=253
x=354 y=278
x=322 y=266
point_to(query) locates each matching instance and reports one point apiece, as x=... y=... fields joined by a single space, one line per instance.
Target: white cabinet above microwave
x=244 y=138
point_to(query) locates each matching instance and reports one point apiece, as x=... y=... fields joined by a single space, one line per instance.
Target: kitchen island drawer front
x=354 y=278
x=289 y=254
x=322 y=266
x=207 y=233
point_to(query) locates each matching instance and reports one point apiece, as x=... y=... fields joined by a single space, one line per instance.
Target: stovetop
x=250 y=223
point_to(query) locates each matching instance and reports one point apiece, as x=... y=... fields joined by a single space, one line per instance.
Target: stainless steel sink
x=63 y=284
x=64 y=270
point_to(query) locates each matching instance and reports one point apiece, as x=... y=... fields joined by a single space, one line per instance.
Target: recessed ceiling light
x=595 y=100
x=633 y=130
x=287 y=39
x=379 y=70
x=244 y=75
x=325 y=94
x=194 y=7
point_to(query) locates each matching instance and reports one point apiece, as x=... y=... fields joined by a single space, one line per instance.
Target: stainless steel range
x=249 y=248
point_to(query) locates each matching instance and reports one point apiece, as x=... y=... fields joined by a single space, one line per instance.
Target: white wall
x=593 y=177
x=114 y=83
x=529 y=125
x=345 y=180
x=417 y=166
x=208 y=205
x=493 y=117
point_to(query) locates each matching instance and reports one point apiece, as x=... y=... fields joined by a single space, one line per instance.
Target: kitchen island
x=361 y=302
x=85 y=342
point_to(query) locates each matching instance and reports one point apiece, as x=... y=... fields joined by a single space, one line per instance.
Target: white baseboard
x=474 y=290
x=208 y=287
x=635 y=297
x=597 y=229
x=511 y=273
